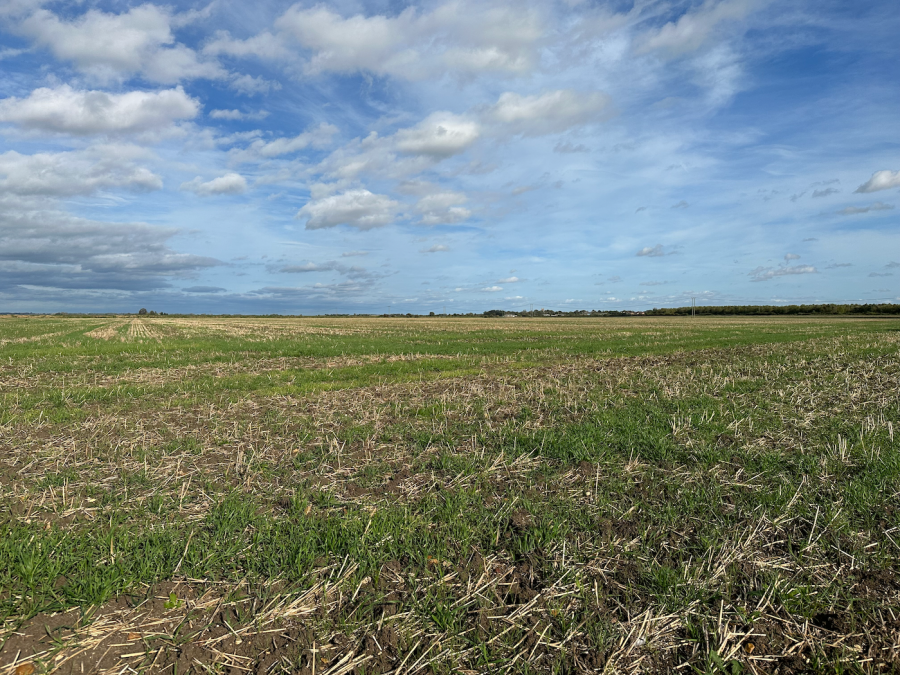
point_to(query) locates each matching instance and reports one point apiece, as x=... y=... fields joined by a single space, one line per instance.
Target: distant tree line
x=555 y=312
x=778 y=310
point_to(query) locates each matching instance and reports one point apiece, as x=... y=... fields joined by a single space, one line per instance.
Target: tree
x=142 y=311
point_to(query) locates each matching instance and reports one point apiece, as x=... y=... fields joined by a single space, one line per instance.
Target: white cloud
x=79 y=172
x=437 y=248
x=651 y=251
x=443 y=208
x=405 y=153
x=251 y=86
x=509 y=280
x=549 y=112
x=110 y=46
x=767 y=273
x=229 y=184
x=353 y=272
x=377 y=43
x=319 y=137
x=514 y=297
x=357 y=208
x=791 y=256
x=459 y=36
x=237 y=115
x=693 y=29
x=492 y=289
x=66 y=110
x=439 y=135
x=855 y=210
x=881 y=180
x=265 y=45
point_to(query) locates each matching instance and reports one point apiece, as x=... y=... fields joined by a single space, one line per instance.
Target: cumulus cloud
x=78 y=172
x=229 y=184
x=439 y=135
x=855 y=210
x=407 y=152
x=509 y=280
x=458 y=36
x=377 y=43
x=881 y=180
x=66 y=110
x=109 y=46
x=768 y=273
x=791 y=256
x=549 y=112
x=693 y=29
x=442 y=208
x=492 y=289
x=357 y=208
x=437 y=248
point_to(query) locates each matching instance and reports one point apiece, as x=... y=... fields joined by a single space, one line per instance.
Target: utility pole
x=693 y=306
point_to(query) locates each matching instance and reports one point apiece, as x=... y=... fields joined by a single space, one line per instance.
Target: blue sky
x=447 y=156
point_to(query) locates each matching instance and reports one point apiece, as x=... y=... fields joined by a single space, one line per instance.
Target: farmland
x=449 y=495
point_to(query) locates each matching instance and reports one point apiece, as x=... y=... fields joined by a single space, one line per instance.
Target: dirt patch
x=186 y=625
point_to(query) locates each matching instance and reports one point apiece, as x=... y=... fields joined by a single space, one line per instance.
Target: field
x=329 y=496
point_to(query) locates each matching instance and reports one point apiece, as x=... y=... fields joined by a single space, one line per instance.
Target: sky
x=448 y=156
